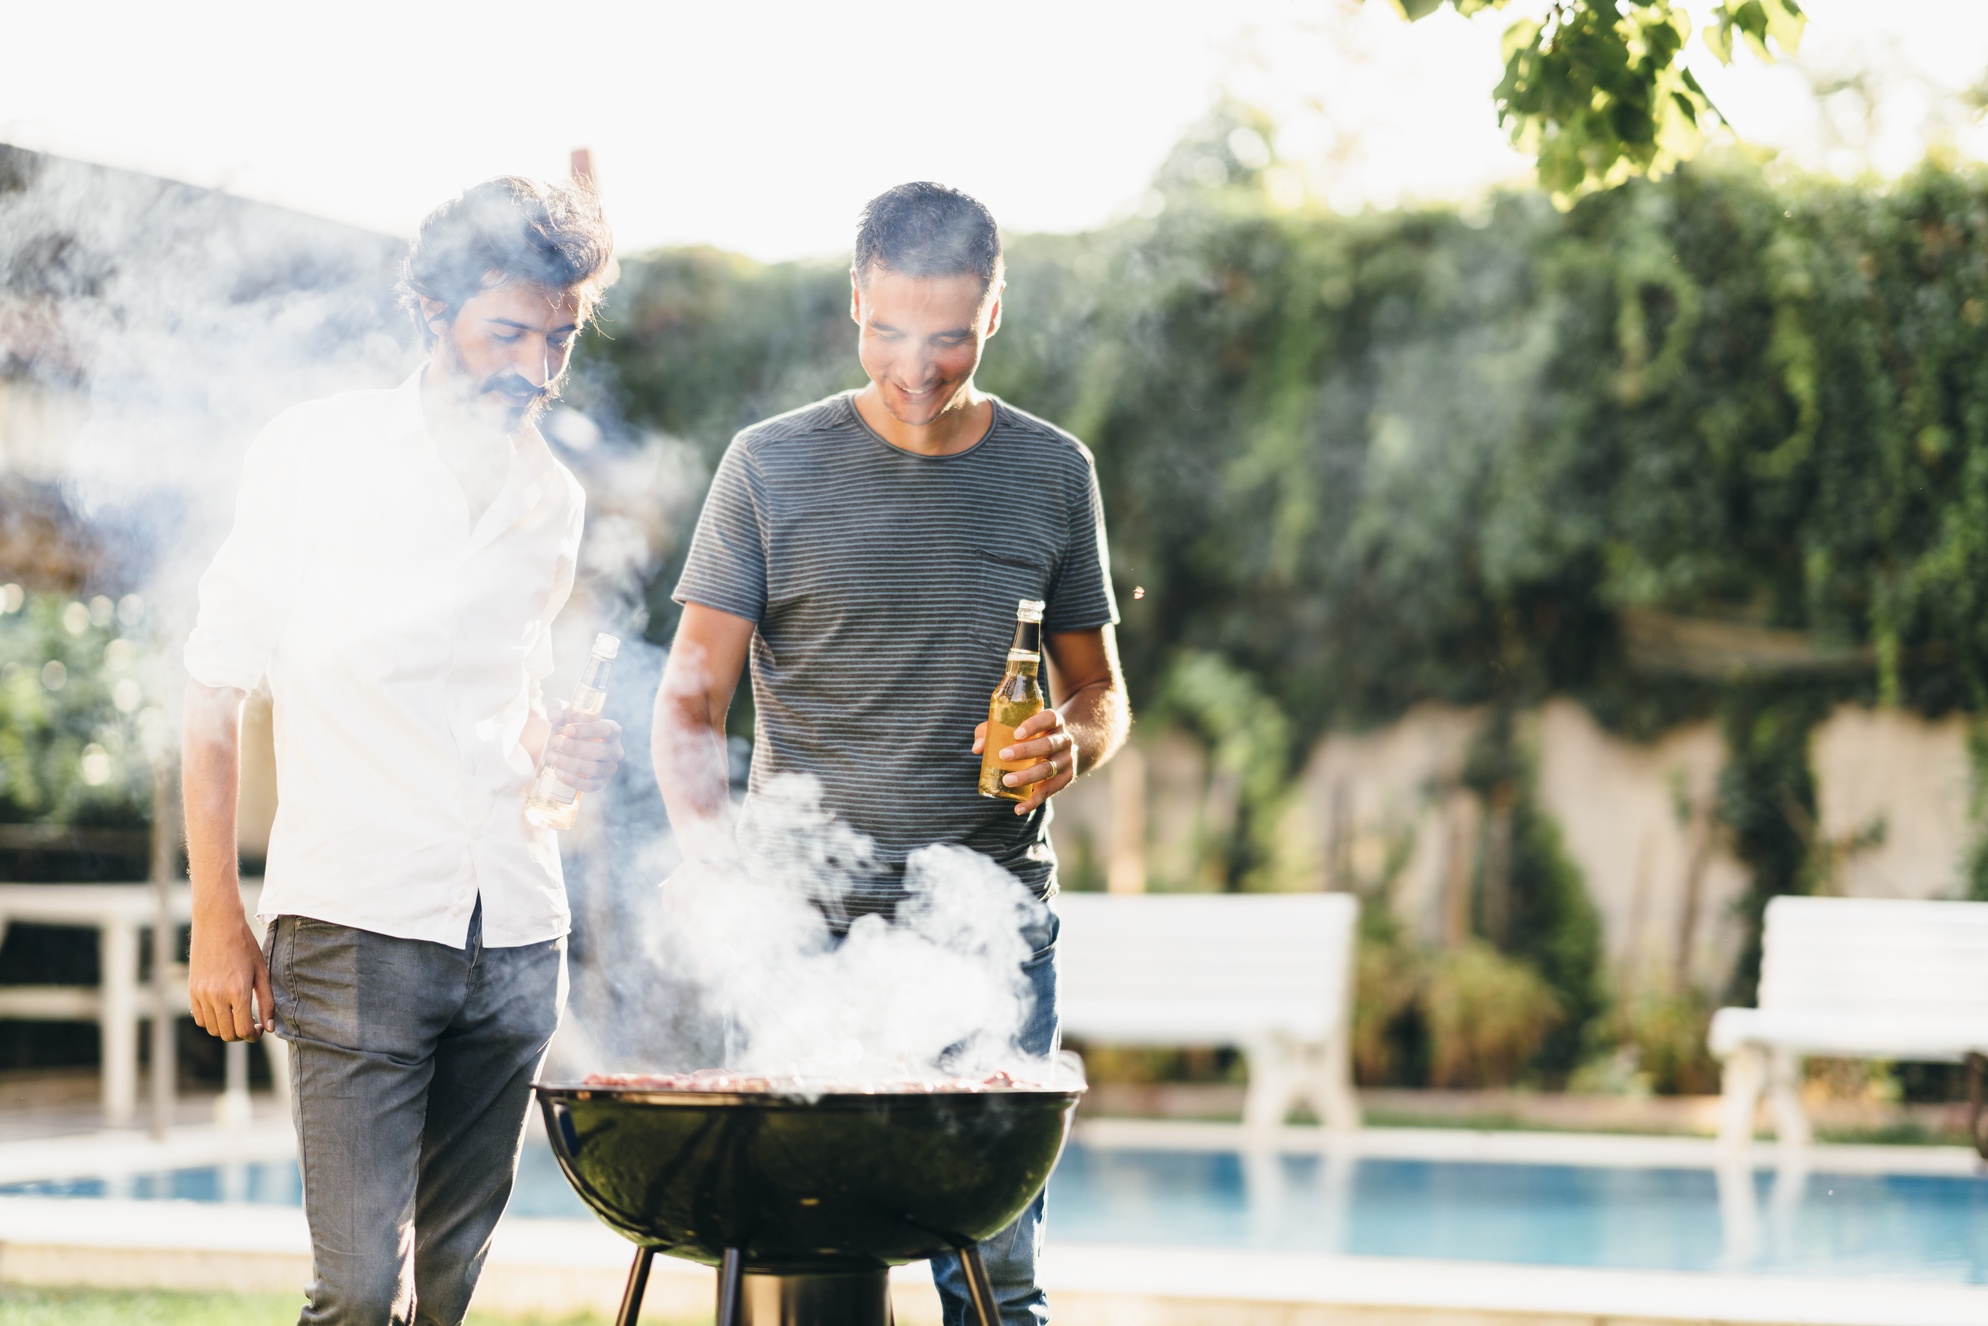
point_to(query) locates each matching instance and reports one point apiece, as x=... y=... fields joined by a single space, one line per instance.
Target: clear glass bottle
x=551 y=803
x=1017 y=699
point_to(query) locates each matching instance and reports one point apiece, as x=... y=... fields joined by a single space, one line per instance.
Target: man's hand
x=224 y=971
x=584 y=748
x=1086 y=722
x=1041 y=737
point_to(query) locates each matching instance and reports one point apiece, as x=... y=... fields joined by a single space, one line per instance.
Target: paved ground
x=52 y=1103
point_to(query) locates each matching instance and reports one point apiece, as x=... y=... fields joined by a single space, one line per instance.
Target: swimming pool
x=1905 y=1226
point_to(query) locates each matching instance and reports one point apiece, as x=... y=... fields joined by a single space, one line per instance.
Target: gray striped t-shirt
x=883 y=584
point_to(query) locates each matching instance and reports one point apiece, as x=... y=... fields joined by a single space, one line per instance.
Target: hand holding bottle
x=1050 y=748
x=584 y=748
x=1035 y=758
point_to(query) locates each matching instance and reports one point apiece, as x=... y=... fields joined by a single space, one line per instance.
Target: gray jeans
x=411 y=1066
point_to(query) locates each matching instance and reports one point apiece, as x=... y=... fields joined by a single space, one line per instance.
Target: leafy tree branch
x=1597 y=90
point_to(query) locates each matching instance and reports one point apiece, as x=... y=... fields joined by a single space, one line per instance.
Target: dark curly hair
x=509 y=229
x=927 y=229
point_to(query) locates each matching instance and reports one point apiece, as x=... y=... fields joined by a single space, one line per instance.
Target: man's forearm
x=210 y=781
x=227 y=983
x=687 y=746
x=1098 y=720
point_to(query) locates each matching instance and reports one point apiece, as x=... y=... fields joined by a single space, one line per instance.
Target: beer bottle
x=551 y=804
x=1017 y=698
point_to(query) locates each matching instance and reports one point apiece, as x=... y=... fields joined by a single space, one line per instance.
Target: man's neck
x=954 y=431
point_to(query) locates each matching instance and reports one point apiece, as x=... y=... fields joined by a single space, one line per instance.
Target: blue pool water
x=1915 y=1227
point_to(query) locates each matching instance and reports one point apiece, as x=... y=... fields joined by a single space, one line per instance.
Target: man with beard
x=866 y=554
x=395 y=564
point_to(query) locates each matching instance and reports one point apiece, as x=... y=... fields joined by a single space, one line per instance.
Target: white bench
x=1271 y=974
x=1853 y=978
x=117 y=912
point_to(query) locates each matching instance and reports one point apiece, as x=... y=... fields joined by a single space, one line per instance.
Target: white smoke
x=937 y=989
x=161 y=326
x=148 y=329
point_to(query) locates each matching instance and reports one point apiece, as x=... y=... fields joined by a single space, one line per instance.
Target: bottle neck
x=1028 y=639
x=595 y=676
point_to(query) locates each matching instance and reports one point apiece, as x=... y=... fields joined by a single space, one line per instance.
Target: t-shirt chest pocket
x=1003 y=578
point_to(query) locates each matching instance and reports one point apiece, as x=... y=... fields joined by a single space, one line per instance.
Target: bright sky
x=762 y=127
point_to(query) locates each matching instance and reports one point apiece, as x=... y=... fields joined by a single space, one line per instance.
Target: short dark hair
x=927 y=229
x=509 y=229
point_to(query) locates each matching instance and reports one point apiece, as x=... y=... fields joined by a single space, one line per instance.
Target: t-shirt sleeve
x=1080 y=595
x=245 y=593
x=726 y=568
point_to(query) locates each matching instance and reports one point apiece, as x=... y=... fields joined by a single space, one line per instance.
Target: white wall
x=1911 y=775
x=1636 y=819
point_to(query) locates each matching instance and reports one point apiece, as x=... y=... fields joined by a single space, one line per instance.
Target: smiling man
x=395 y=565
x=866 y=554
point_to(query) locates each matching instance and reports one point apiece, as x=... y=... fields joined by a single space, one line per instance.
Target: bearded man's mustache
x=516 y=388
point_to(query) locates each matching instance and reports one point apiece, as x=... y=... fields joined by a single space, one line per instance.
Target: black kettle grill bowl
x=802 y=1185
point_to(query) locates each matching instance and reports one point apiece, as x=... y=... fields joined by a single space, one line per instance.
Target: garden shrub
x=1487 y=1015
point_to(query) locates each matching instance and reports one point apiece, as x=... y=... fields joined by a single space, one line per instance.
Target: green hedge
x=1379 y=459
x=79 y=711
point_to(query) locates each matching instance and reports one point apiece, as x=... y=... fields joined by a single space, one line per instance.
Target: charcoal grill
x=803 y=1203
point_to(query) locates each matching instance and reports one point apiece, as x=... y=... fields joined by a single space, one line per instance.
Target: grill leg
x=978 y=1287
x=638 y=1280
x=730 y=1276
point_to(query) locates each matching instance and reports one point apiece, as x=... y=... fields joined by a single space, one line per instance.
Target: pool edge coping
x=587 y=1261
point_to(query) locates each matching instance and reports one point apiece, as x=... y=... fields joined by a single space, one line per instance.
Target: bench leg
x=1784 y=1099
x=1268 y=1098
x=232 y=1108
x=117 y=948
x=1740 y=1080
x=1340 y=1106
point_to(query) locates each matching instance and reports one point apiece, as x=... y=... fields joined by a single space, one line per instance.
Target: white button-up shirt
x=405 y=650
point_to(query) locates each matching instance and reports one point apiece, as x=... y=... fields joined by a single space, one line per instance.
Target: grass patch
x=1907 y=1133
x=146 y=1307
x=1509 y=1123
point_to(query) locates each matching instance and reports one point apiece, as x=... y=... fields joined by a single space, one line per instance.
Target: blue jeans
x=1011 y=1254
x=411 y=1067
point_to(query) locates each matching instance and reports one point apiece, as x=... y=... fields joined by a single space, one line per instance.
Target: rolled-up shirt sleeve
x=243 y=595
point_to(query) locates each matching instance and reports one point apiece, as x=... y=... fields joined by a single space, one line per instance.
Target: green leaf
x=1760 y=22
x=1597 y=92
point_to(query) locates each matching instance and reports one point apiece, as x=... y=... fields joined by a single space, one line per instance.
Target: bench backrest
x=1884 y=957
x=1204 y=969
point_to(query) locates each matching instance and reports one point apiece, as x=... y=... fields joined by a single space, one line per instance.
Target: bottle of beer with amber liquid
x=1016 y=700
x=552 y=803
